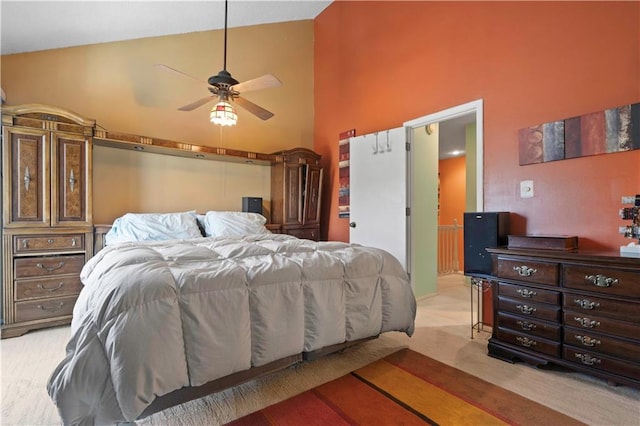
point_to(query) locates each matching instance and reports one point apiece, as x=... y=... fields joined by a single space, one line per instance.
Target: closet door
x=378 y=191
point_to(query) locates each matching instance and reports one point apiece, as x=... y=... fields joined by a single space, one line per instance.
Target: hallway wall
x=452 y=197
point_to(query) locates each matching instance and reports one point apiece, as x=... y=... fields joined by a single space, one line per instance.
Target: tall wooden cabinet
x=46 y=216
x=296 y=188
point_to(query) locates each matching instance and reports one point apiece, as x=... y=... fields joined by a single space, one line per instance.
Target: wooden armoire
x=296 y=188
x=47 y=229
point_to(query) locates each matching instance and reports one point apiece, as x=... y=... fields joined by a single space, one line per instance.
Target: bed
x=177 y=306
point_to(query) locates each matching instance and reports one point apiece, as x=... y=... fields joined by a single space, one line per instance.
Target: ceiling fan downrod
x=224 y=64
x=223 y=77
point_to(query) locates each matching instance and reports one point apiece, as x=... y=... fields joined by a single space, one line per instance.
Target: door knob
x=352 y=224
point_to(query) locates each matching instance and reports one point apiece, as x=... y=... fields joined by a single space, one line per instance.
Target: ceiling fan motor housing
x=222 y=79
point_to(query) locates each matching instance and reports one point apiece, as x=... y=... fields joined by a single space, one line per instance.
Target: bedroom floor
x=443 y=327
x=443 y=331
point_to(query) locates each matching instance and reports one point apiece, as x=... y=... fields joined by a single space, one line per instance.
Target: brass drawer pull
x=526 y=342
x=601 y=280
x=586 y=303
x=525 y=309
x=72 y=180
x=25 y=243
x=50 y=240
x=526 y=293
x=51 y=308
x=51 y=289
x=26 y=178
x=525 y=325
x=525 y=271
x=586 y=322
x=587 y=359
x=50 y=269
x=588 y=341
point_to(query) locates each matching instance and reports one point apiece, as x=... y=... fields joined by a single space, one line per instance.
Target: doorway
x=424 y=136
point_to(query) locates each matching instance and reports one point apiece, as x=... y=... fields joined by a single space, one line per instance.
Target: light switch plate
x=526 y=189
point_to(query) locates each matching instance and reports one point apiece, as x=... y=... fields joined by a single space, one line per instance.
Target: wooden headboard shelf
x=167 y=147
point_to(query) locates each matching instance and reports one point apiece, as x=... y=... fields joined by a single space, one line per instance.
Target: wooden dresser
x=46 y=218
x=296 y=189
x=577 y=309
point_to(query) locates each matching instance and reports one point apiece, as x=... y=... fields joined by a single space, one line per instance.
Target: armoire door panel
x=27 y=195
x=70 y=186
x=293 y=206
x=313 y=184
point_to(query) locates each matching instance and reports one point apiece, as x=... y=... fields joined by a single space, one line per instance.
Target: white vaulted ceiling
x=29 y=26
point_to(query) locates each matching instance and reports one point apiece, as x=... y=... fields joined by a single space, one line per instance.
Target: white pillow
x=234 y=224
x=153 y=227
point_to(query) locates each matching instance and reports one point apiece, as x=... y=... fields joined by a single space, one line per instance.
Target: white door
x=378 y=191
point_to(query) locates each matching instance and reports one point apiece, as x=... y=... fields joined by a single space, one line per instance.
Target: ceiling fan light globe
x=223 y=114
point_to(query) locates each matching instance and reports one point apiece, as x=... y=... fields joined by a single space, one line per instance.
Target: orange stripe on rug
x=364 y=405
x=507 y=405
x=433 y=401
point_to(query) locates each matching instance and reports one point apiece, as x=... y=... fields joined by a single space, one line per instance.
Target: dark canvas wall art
x=603 y=132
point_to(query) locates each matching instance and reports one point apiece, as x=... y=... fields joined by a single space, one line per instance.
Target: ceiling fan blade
x=180 y=73
x=265 y=82
x=196 y=104
x=254 y=109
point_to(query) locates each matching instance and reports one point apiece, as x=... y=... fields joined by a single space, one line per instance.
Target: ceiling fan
x=227 y=89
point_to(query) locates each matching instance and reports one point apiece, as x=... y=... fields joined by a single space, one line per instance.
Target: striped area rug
x=407 y=388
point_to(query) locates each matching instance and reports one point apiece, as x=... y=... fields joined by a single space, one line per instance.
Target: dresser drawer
x=627 y=311
x=529 y=271
x=602 y=344
x=602 y=325
x=26 y=267
x=31 y=243
x=304 y=233
x=526 y=341
x=529 y=309
x=531 y=326
x=528 y=293
x=44 y=308
x=602 y=362
x=47 y=287
x=602 y=280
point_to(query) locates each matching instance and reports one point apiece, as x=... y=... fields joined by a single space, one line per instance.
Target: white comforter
x=154 y=317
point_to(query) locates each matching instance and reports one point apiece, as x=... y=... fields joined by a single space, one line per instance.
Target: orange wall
x=378 y=64
x=452 y=197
